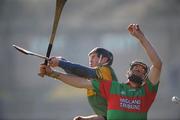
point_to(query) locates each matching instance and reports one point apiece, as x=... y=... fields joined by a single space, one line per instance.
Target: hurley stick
x=27 y=52
x=59 y=7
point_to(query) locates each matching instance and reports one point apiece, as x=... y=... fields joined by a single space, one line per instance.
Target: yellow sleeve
x=104 y=73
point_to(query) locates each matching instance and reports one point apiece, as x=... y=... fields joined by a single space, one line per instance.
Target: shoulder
x=150 y=86
x=104 y=72
x=101 y=84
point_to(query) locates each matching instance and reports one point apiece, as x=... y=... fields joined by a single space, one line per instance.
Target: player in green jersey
x=130 y=100
x=100 y=61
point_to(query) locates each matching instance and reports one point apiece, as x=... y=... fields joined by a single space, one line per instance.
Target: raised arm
x=155 y=69
x=69 y=79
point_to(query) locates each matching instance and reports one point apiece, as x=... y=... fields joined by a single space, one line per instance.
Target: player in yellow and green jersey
x=100 y=61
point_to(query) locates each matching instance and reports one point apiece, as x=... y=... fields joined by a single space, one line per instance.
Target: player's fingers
x=42 y=66
x=136 y=26
x=54 y=62
x=51 y=61
x=130 y=28
x=42 y=70
x=130 y=25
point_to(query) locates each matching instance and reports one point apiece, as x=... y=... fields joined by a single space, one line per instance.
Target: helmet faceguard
x=134 y=63
x=135 y=78
x=101 y=52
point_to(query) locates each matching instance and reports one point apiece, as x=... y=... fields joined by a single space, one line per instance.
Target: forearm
x=152 y=54
x=78 y=70
x=135 y=31
x=72 y=80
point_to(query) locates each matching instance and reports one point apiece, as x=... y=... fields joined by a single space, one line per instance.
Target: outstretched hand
x=135 y=31
x=54 y=61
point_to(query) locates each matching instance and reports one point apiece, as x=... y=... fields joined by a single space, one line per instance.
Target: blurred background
x=84 y=24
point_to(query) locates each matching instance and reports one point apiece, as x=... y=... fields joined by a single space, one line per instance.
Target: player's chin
x=90 y=65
